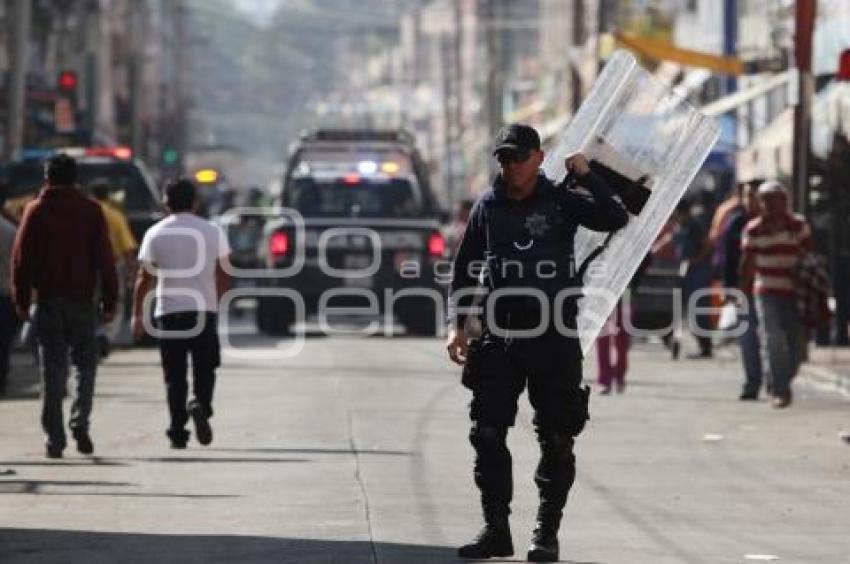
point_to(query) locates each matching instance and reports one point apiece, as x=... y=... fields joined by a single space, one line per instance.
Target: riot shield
x=649 y=143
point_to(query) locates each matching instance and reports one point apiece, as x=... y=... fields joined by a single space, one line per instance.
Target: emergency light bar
x=388 y=135
x=123 y=153
x=367 y=167
x=120 y=152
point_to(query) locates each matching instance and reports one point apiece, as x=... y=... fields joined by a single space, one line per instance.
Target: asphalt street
x=355 y=451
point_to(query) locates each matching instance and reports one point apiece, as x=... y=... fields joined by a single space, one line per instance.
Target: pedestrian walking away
x=184 y=257
x=123 y=251
x=61 y=250
x=523 y=229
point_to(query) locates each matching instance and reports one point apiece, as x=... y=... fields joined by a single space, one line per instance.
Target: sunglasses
x=506 y=157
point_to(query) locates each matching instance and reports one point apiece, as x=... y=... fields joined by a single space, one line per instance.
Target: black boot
x=493 y=540
x=494 y=478
x=84 y=442
x=544 y=541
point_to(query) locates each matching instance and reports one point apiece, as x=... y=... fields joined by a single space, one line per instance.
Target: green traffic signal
x=170 y=156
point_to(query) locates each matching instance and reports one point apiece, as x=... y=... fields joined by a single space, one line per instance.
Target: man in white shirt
x=183 y=256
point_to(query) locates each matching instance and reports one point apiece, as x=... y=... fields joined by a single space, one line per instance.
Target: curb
x=826 y=379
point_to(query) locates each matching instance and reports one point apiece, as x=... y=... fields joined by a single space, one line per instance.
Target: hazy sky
x=259 y=10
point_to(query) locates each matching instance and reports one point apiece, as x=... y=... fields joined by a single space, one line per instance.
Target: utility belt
x=576 y=406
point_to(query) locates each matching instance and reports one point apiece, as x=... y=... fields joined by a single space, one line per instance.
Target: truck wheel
x=274 y=316
x=421 y=322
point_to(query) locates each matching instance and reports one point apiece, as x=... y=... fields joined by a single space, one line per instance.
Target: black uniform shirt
x=525 y=231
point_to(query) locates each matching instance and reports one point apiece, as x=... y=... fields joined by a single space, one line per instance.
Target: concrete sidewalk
x=829 y=367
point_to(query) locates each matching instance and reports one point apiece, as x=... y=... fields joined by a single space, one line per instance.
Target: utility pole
x=94 y=81
x=730 y=39
x=19 y=47
x=603 y=12
x=730 y=49
x=136 y=68
x=605 y=17
x=458 y=60
x=579 y=39
x=448 y=115
x=496 y=67
x=805 y=25
x=180 y=92
x=458 y=121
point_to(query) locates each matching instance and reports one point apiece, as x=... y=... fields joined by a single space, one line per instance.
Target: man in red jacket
x=61 y=253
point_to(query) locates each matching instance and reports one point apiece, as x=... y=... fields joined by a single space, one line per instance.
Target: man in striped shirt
x=772 y=244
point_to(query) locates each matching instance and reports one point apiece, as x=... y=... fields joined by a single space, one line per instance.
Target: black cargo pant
x=551 y=366
x=204 y=350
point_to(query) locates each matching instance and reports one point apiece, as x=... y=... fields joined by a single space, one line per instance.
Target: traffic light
x=170 y=156
x=68 y=81
x=65 y=106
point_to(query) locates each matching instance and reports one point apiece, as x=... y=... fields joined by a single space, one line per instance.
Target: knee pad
x=556 y=445
x=579 y=412
x=488 y=437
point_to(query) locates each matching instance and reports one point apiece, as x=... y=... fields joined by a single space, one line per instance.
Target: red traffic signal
x=68 y=81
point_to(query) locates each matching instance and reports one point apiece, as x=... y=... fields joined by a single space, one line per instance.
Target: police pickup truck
x=132 y=188
x=358 y=228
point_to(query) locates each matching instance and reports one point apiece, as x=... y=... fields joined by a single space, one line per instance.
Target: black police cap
x=517 y=137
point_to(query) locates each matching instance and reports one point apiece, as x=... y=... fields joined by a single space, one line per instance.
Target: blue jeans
x=698 y=278
x=780 y=331
x=750 y=350
x=63 y=326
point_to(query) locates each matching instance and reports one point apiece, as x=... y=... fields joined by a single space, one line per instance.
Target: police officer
x=520 y=235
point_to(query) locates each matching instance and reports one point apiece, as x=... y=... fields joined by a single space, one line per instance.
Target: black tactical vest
x=530 y=243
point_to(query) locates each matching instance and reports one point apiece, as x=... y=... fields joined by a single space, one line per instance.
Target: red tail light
x=279 y=245
x=436 y=245
x=351 y=179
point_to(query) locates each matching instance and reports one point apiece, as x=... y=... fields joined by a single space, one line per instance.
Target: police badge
x=537 y=225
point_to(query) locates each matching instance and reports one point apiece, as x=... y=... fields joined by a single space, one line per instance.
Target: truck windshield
x=396 y=197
